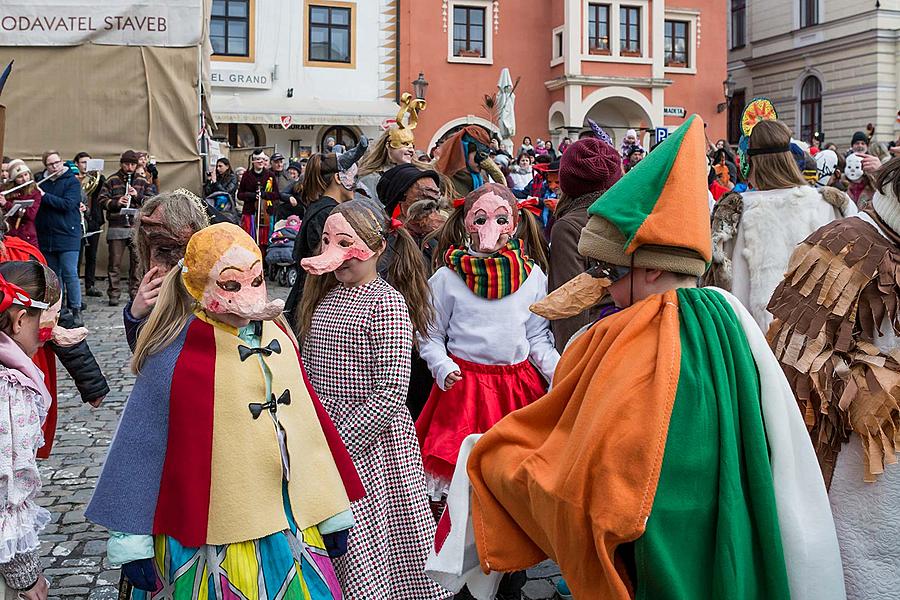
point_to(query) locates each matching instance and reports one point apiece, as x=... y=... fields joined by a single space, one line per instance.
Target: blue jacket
x=58 y=221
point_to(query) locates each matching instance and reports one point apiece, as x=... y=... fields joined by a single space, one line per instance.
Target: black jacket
x=82 y=367
x=306 y=245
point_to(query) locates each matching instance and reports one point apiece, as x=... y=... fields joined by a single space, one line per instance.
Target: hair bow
x=531 y=204
x=396 y=224
x=457 y=202
x=13 y=294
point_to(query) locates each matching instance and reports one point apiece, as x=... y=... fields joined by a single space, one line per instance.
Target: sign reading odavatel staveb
x=177 y=23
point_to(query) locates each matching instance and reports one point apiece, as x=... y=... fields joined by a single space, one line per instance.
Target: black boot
x=77 y=319
x=93 y=293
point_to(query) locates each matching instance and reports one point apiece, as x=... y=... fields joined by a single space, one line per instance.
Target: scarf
x=495 y=276
x=24 y=370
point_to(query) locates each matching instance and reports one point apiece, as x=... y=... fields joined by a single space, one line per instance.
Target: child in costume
x=835 y=335
x=357 y=336
x=669 y=460
x=223 y=481
x=754 y=232
x=27 y=290
x=489 y=355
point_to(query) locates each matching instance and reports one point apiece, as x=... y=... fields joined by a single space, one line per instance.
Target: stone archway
x=618 y=112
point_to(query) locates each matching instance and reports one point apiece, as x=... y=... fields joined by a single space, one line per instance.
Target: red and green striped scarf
x=491 y=277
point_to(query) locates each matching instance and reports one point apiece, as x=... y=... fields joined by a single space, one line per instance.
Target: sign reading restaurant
x=113 y=22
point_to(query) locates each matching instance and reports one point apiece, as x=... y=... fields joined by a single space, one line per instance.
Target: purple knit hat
x=589 y=165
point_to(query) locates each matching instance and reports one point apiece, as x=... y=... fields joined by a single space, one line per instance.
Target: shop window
x=330 y=33
x=598 y=28
x=630 y=30
x=230 y=27
x=676 y=43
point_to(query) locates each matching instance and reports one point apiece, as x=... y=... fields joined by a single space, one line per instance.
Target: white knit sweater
x=487 y=332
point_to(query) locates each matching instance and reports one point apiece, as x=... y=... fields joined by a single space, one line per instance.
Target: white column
x=657 y=48
x=573 y=35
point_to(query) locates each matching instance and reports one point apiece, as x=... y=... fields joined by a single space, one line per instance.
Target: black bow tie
x=246 y=352
x=257 y=409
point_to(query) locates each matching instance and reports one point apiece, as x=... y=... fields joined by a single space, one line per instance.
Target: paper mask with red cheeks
x=492 y=215
x=340 y=243
x=223 y=271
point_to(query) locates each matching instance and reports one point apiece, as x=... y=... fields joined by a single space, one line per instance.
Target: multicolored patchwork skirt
x=283 y=566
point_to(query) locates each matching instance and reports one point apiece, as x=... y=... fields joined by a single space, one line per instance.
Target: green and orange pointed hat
x=657 y=215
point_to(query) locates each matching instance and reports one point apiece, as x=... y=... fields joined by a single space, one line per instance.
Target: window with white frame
x=470 y=30
x=559 y=49
x=615 y=31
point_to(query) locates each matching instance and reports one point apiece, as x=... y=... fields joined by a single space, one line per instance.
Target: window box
x=631 y=53
x=469 y=53
x=600 y=52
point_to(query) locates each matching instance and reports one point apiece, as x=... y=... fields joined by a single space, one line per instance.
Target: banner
x=170 y=23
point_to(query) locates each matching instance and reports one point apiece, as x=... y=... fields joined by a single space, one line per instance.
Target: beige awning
x=232 y=108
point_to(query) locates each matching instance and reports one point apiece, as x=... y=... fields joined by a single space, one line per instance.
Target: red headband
x=531 y=204
x=13 y=294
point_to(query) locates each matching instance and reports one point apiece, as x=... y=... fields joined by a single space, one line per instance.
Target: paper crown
x=662 y=201
x=403 y=135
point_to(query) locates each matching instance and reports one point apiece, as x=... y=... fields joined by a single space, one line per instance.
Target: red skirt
x=486 y=394
x=248 y=224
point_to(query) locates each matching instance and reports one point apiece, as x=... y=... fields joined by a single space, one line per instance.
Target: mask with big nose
x=491 y=220
x=223 y=271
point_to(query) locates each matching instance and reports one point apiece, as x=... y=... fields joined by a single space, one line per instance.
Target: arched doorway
x=342 y=135
x=451 y=127
x=617 y=114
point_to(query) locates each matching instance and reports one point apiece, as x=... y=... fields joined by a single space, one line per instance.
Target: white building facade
x=829 y=66
x=287 y=74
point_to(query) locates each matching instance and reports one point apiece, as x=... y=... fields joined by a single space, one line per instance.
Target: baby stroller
x=280 y=253
x=220 y=208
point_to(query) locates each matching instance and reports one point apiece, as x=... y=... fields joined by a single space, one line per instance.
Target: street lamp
x=420 y=86
x=728 y=89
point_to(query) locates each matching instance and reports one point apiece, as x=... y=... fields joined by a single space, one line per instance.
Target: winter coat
x=58 y=221
x=520 y=177
x=247 y=189
x=81 y=365
x=306 y=245
x=566 y=262
x=22 y=226
x=114 y=188
x=227 y=184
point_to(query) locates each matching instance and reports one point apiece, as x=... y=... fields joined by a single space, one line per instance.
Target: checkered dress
x=357 y=354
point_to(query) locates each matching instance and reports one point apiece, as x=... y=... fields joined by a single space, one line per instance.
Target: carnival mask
x=223 y=271
x=854 y=170
x=51 y=331
x=492 y=218
x=347 y=177
x=826 y=164
x=340 y=243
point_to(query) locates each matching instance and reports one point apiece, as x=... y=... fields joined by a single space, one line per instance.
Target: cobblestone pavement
x=74 y=550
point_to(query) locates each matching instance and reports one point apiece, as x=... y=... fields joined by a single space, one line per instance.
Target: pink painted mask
x=491 y=217
x=51 y=331
x=237 y=287
x=340 y=243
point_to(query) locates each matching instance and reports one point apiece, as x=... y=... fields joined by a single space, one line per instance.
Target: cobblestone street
x=74 y=550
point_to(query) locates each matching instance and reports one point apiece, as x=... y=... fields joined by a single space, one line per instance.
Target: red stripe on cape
x=182 y=509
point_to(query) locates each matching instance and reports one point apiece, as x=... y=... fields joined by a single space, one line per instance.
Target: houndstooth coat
x=357 y=353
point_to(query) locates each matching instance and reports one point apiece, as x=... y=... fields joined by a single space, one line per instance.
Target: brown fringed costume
x=839 y=295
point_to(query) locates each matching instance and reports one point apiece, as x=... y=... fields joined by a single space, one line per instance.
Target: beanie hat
x=396 y=181
x=16 y=168
x=657 y=215
x=859 y=136
x=129 y=156
x=588 y=165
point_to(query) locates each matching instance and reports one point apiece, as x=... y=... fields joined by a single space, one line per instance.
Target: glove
x=336 y=543
x=141 y=574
